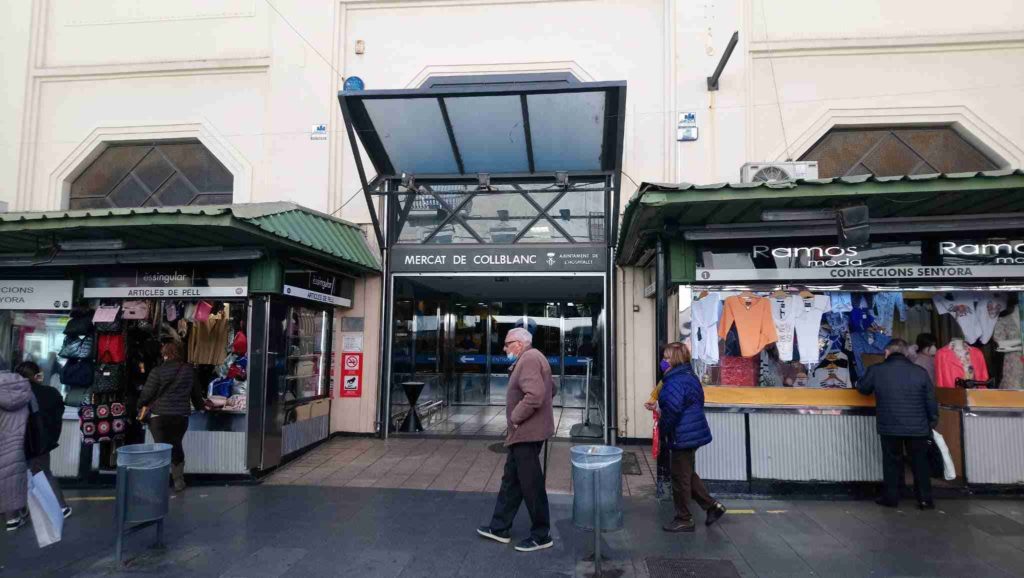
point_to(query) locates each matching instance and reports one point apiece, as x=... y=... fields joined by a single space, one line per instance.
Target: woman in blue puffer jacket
x=682 y=417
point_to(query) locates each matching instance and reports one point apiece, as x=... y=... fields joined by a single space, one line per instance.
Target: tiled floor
x=489 y=421
x=426 y=463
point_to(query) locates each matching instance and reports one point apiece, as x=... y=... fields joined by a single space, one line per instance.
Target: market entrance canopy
x=510 y=133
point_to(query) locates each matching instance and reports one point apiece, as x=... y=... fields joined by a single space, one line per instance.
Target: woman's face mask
x=665 y=365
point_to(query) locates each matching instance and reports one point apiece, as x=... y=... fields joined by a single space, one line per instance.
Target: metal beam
x=451 y=135
x=362 y=174
x=526 y=131
x=453 y=214
x=544 y=212
x=713 y=79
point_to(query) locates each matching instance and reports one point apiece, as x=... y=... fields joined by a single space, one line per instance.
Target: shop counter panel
x=65 y=459
x=827 y=448
x=786 y=396
x=725 y=458
x=295 y=436
x=994 y=446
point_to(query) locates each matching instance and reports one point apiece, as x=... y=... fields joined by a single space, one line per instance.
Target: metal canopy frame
x=358 y=122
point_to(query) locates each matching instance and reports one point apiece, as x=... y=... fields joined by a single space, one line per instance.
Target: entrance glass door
x=450 y=333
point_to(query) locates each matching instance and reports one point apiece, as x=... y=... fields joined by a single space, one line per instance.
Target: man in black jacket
x=906 y=412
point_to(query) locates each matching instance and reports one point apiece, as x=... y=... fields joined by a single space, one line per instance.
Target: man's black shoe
x=679 y=526
x=715 y=513
x=886 y=503
x=929 y=505
x=531 y=545
x=498 y=536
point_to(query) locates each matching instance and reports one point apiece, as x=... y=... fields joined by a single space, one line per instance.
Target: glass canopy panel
x=489 y=132
x=567 y=130
x=581 y=214
x=413 y=134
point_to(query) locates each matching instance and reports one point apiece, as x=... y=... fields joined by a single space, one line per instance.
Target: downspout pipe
x=661 y=302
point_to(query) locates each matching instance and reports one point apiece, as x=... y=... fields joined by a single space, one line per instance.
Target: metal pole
x=661 y=303
x=597 y=523
x=586 y=404
x=119 y=508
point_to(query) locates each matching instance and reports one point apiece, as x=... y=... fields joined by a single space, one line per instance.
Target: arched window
x=890 y=151
x=152 y=174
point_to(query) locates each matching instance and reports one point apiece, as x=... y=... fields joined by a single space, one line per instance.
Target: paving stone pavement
x=271 y=531
x=432 y=463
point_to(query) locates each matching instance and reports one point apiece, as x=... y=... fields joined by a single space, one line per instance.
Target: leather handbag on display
x=77 y=373
x=110 y=348
x=107 y=319
x=107 y=378
x=740 y=371
x=79 y=326
x=78 y=347
x=136 y=310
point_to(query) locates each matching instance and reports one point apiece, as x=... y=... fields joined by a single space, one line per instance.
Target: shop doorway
x=448 y=334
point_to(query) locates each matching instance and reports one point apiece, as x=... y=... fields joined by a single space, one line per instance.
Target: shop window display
x=108 y=349
x=795 y=337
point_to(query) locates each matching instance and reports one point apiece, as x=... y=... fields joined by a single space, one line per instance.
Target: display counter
x=970 y=420
x=829 y=435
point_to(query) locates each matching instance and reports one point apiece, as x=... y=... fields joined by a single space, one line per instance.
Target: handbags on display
x=136 y=310
x=77 y=373
x=107 y=319
x=79 y=326
x=78 y=347
x=203 y=310
x=110 y=348
x=107 y=378
x=740 y=371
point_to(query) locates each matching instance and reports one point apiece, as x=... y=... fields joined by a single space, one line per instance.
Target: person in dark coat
x=906 y=412
x=170 y=394
x=682 y=418
x=51 y=408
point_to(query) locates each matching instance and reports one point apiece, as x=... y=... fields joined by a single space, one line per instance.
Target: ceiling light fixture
x=798 y=215
x=91 y=245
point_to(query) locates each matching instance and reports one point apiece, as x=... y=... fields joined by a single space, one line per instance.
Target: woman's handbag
x=77 y=373
x=79 y=326
x=656 y=438
x=78 y=347
x=110 y=348
x=107 y=378
x=107 y=319
x=136 y=310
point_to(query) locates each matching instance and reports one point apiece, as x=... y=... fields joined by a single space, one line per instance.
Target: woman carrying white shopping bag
x=15 y=395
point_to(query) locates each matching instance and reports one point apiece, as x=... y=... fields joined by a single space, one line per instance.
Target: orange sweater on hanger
x=948 y=367
x=754 y=324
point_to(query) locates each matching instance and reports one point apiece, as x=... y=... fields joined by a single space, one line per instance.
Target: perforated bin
x=143 y=494
x=597 y=487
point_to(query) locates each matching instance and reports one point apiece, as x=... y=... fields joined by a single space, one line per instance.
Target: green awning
x=670 y=209
x=284 y=227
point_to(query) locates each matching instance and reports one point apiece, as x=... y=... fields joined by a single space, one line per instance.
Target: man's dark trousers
x=523 y=481
x=892 y=467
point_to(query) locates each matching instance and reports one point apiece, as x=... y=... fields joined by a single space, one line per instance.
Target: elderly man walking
x=531 y=421
x=906 y=412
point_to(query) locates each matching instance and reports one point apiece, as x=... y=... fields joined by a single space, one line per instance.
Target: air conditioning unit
x=774 y=172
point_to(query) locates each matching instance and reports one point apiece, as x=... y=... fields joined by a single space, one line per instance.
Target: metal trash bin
x=597 y=487
x=143 y=494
